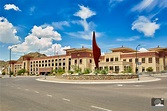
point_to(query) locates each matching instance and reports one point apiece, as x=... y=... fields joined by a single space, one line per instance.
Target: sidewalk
x=143 y=78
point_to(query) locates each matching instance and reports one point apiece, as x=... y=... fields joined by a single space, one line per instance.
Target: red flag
x=96 y=51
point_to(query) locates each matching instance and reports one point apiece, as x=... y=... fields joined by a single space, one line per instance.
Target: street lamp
x=10 y=51
x=136 y=60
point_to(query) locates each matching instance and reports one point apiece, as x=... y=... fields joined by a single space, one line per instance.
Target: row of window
x=112 y=59
x=48 y=61
x=143 y=60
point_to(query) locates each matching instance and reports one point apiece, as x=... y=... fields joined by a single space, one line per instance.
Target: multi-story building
x=118 y=60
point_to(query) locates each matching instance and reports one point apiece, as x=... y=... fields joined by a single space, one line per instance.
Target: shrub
x=149 y=69
x=3 y=73
x=87 y=71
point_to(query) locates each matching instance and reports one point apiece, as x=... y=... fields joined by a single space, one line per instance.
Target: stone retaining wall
x=98 y=77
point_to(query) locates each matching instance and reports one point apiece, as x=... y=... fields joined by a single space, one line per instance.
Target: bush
x=164 y=71
x=104 y=71
x=149 y=69
x=3 y=73
x=87 y=71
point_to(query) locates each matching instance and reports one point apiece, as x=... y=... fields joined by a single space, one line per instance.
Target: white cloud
x=87 y=35
x=40 y=39
x=32 y=9
x=128 y=39
x=59 y=25
x=84 y=12
x=7 y=32
x=144 y=25
x=11 y=6
x=142 y=5
x=46 y=32
x=143 y=50
x=113 y=3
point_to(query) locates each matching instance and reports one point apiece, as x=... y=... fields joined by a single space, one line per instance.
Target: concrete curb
x=97 y=82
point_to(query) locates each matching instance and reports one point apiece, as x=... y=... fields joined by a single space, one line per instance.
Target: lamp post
x=136 y=60
x=10 y=51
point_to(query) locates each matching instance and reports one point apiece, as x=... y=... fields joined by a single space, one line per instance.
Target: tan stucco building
x=118 y=60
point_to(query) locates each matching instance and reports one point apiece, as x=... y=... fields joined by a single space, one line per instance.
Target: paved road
x=27 y=94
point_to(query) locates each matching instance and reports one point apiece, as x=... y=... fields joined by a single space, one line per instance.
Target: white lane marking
x=104 y=109
x=66 y=99
x=119 y=85
x=137 y=85
x=49 y=95
x=36 y=91
x=18 y=88
x=27 y=89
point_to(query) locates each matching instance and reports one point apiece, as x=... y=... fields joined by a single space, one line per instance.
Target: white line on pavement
x=18 y=88
x=66 y=99
x=36 y=91
x=104 y=109
x=120 y=85
x=137 y=85
x=49 y=95
x=27 y=89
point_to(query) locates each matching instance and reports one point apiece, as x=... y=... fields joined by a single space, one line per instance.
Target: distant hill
x=3 y=63
x=33 y=54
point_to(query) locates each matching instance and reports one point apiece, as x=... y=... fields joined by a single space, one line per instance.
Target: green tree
x=21 y=72
x=149 y=69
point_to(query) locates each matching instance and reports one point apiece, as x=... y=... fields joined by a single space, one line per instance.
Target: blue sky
x=49 y=26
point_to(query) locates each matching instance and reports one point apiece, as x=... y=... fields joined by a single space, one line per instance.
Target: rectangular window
x=124 y=59
x=107 y=59
x=111 y=59
x=143 y=60
x=130 y=60
x=149 y=60
x=116 y=59
x=63 y=63
x=90 y=60
x=157 y=60
x=136 y=60
x=80 y=61
x=111 y=67
x=75 y=61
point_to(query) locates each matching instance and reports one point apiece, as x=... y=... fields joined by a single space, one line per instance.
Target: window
x=149 y=60
x=116 y=59
x=143 y=69
x=52 y=60
x=111 y=59
x=63 y=59
x=45 y=61
x=107 y=59
x=90 y=60
x=80 y=61
x=111 y=67
x=124 y=59
x=143 y=60
x=136 y=60
x=45 y=65
x=48 y=60
x=52 y=64
x=157 y=60
x=75 y=61
x=63 y=63
x=59 y=64
x=130 y=60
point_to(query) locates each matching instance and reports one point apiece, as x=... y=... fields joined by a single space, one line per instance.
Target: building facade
x=116 y=61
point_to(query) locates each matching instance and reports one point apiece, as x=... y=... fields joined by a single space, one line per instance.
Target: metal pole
x=137 y=62
x=10 y=62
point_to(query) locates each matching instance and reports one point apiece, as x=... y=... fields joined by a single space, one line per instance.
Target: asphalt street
x=27 y=94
